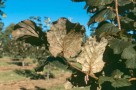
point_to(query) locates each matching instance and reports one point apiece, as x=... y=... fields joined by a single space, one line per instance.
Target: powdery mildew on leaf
x=65 y=38
x=91 y=57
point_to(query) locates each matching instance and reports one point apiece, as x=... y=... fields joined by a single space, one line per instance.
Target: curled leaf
x=28 y=30
x=65 y=38
x=102 y=16
x=91 y=57
x=24 y=29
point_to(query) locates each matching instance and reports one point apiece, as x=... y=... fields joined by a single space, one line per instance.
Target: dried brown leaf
x=65 y=38
x=91 y=57
x=24 y=29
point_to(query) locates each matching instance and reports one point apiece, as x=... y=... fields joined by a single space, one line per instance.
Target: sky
x=18 y=10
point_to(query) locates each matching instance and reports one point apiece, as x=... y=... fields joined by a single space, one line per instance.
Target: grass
x=4 y=64
x=61 y=87
x=9 y=76
x=13 y=75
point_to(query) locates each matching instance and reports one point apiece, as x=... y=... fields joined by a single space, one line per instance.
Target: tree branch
x=132 y=79
x=117 y=14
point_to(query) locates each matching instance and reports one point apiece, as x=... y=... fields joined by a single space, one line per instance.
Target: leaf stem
x=91 y=75
x=117 y=14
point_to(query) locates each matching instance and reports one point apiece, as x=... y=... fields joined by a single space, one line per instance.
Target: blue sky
x=18 y=10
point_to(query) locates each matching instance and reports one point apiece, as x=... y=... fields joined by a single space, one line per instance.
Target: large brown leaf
x=91 y=57
x=65 y=38
x=25 y=29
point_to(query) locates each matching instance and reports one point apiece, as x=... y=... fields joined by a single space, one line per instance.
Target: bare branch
x=132 y=79
x=117 y=14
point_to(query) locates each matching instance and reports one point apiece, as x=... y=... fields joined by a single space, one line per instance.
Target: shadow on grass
x=29 y=74
x=18 y=63
x=33 y=75
x=36 y=88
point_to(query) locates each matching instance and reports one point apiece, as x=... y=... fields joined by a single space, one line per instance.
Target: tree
x=108 y=57
x=2 y=5
x=116 y=19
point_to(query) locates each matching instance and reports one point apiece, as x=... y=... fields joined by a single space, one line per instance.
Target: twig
x=117 y=14
x=132 y=79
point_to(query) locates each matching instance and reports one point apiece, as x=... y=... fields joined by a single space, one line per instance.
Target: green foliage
x=123 y=2
x=131 y=64
x=64 y=41
x=120 y=54
x=98 y=2
x=29 y=74
x=2 y=14
x=118 y=45
x=129 y=52
x=117 y=79
x=106 y=29
x=102 y=16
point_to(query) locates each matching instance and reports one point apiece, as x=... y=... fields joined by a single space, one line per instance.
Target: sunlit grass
x=4 y=64
x=61 y=87
x=9 y=76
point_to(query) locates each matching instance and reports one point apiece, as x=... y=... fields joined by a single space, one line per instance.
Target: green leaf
x=126 y=20
x=134 y=24
x=106 y=29
x=98 y=2
x=129 y=53
x=120 y=83
x=103 y=79
x=102 y=16
x=118 y=45
x=127 y=23
x=131 y=63
x=116 y=74
x=123 y=2
x=1 y=25
x=59 y=63
x=134 y=11
x=116 y=80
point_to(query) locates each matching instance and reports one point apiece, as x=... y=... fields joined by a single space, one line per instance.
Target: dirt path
x=32 y=84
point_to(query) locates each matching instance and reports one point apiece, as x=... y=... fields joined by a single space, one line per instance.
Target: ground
x=10 y=80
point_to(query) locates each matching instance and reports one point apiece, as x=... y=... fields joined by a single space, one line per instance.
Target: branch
x=117 y=14
x=132 y=79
